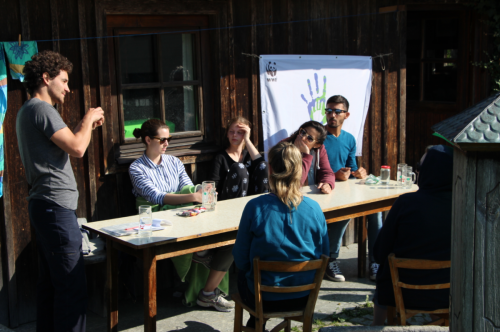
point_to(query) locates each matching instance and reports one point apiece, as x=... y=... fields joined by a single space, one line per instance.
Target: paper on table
x=127 y=229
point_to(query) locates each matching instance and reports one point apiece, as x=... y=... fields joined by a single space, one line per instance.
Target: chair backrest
x=272 y=266
x=414 y=264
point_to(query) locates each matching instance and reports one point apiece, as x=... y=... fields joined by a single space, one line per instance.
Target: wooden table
x=350 y=199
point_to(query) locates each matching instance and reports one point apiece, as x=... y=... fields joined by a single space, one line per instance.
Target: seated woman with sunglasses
x=315 y=165
x=239 y=170
x=155 y=177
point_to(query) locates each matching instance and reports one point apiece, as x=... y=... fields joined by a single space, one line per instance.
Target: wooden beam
x=54 y=18
x=91 y=161
x=391 y=9
x=402 y=22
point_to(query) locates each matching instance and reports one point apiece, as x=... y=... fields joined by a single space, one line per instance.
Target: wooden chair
x=400 y=313
x=305 y=316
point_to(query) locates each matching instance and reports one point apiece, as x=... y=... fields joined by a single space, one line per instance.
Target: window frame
x=130 y=149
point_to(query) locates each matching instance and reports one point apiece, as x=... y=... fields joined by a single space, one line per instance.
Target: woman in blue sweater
x=280 y=226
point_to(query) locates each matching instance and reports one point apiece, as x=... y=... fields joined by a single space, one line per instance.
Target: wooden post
x=112 y=285
x=475 y=268
x=362 y=235
x=149 y=258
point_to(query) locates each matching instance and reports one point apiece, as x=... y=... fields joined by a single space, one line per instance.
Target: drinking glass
x=409 y=177
x=209 y=195
x=400 y=174
x=145 y=221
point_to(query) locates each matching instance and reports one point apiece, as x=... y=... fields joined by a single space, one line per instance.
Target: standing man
x=45 y=144
x=341 y=149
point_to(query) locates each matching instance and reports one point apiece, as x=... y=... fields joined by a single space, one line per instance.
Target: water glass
x=400 y=174
x=385 y=175
x=209 y=195
x=145 y=221
x=409 y=177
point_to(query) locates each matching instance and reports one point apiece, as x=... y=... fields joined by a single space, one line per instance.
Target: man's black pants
x=62 y=287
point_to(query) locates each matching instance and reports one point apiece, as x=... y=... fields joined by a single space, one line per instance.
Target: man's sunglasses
x=304 y=133
x=337 y=111
x=162 y=140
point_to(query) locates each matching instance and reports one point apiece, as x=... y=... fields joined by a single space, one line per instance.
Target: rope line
x=213 y=29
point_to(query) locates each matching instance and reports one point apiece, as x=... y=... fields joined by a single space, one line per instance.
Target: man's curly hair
x=44 y=62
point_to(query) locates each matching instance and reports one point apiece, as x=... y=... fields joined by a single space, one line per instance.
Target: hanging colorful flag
x=18 y=55
x=3 y=109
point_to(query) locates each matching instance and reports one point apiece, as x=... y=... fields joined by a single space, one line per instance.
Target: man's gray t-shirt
x=47 y=166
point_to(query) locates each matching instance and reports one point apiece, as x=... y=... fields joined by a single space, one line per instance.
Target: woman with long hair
x=239 y=170
x=280 y=226
x=156 y=177
x=316 y=168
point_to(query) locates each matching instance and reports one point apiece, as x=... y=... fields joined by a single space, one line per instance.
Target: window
x=432 y=58
x=161 y=71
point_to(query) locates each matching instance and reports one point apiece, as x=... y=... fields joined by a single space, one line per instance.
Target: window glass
x=137 y=60
x=440 y=82
x=177 y=57
x=180 y=107
x=441 y=38
x=139 y=105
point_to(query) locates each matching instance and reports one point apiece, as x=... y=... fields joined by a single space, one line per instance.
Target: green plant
x=368 y=303
x=337 y=319
x=295 y=329
x=319 y=323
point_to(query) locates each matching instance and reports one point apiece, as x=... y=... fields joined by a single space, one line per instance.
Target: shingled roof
x=477 y=124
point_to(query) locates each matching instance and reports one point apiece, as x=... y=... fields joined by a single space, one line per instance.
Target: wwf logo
x=271 y=71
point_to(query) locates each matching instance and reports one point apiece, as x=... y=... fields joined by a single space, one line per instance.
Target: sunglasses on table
x=162 y=140
x=304 y=133
x=337 y=111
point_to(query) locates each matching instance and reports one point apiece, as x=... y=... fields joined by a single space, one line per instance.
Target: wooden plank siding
x=393 y=130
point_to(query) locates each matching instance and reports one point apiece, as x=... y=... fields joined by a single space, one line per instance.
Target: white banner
x=294 y=89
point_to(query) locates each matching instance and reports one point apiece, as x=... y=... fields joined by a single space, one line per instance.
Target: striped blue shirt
x=152 y=181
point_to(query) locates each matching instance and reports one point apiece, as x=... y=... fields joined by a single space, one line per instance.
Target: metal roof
x=477 y=124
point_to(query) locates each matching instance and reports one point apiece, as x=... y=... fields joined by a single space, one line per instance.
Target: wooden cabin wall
x=343 y=27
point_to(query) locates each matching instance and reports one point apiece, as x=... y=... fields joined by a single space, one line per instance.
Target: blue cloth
x=152 y=181
x=419 y=226
x=3 y=110
x=18 y=55
x=269 y=229
x=341 y=151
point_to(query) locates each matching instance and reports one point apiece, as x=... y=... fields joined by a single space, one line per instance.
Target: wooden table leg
x=149 y=258
x=362 y=234
x=112 y=285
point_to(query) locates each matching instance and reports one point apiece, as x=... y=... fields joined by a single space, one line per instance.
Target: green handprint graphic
x=316 y=107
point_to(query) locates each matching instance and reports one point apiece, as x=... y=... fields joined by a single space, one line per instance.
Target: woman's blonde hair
x=286 y=168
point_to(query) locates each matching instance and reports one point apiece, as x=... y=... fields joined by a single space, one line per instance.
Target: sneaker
x=373 y=271
x=333 y=272
x=204 y=260
x=215 y=300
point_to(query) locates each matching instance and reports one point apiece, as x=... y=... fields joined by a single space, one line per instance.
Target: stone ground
x=345 y=303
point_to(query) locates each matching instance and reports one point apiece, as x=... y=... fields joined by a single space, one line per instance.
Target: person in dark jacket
x=418 y=226
x=316 y=168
